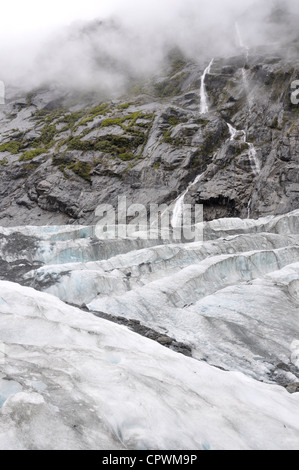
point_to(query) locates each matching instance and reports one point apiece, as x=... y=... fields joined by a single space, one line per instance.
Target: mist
x=129 y=40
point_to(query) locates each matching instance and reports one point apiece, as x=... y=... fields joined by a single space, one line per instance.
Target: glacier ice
x=232 y=298
x=8 y=388
x=105 y=387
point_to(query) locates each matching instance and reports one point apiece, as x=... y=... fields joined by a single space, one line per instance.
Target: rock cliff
x=61 y=155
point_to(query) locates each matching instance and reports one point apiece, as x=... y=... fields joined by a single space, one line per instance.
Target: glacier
x=97 y=385
x=232 y=299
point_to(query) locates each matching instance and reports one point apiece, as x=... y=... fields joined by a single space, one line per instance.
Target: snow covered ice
x=99 y=385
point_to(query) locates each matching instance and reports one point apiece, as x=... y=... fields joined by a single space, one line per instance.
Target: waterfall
x=254 y=161
x=247 y=88
x=176 y=220
x=239 y=37
x=244 y=71
x=249 y=209
x=253 y=158
x=178 y=210
x=177 y=213
x=234 y=132
x=204 y=102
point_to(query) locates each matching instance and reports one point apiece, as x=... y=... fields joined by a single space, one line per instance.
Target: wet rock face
x=59 y=161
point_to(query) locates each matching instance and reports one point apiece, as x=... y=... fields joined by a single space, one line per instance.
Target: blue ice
x=7 y=389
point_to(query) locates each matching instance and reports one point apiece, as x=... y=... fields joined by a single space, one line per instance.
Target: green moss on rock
x=27 y=156
x=126 y=157
x=82 y=169
x=169 y=87
x=12 y=147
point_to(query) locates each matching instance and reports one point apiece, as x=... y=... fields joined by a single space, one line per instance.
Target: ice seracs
x=233 y=299
x=86 y=383
x=165 y=286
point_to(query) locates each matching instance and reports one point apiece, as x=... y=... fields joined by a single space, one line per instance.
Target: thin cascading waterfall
x=245 y=80
x=234 y=133
x=254 y=161
x=177 y=212
x=247 y=89
x=204 y=108
x=253 y=158
x=249 y=208
x=204 y=100
x=240 y=42
x=178 y=209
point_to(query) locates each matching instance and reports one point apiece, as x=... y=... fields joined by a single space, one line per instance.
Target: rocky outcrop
x=59 y=161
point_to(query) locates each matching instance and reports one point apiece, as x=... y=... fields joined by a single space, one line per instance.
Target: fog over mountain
x=131 y=40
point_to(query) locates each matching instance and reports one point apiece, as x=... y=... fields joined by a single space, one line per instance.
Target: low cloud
x=133 y=40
